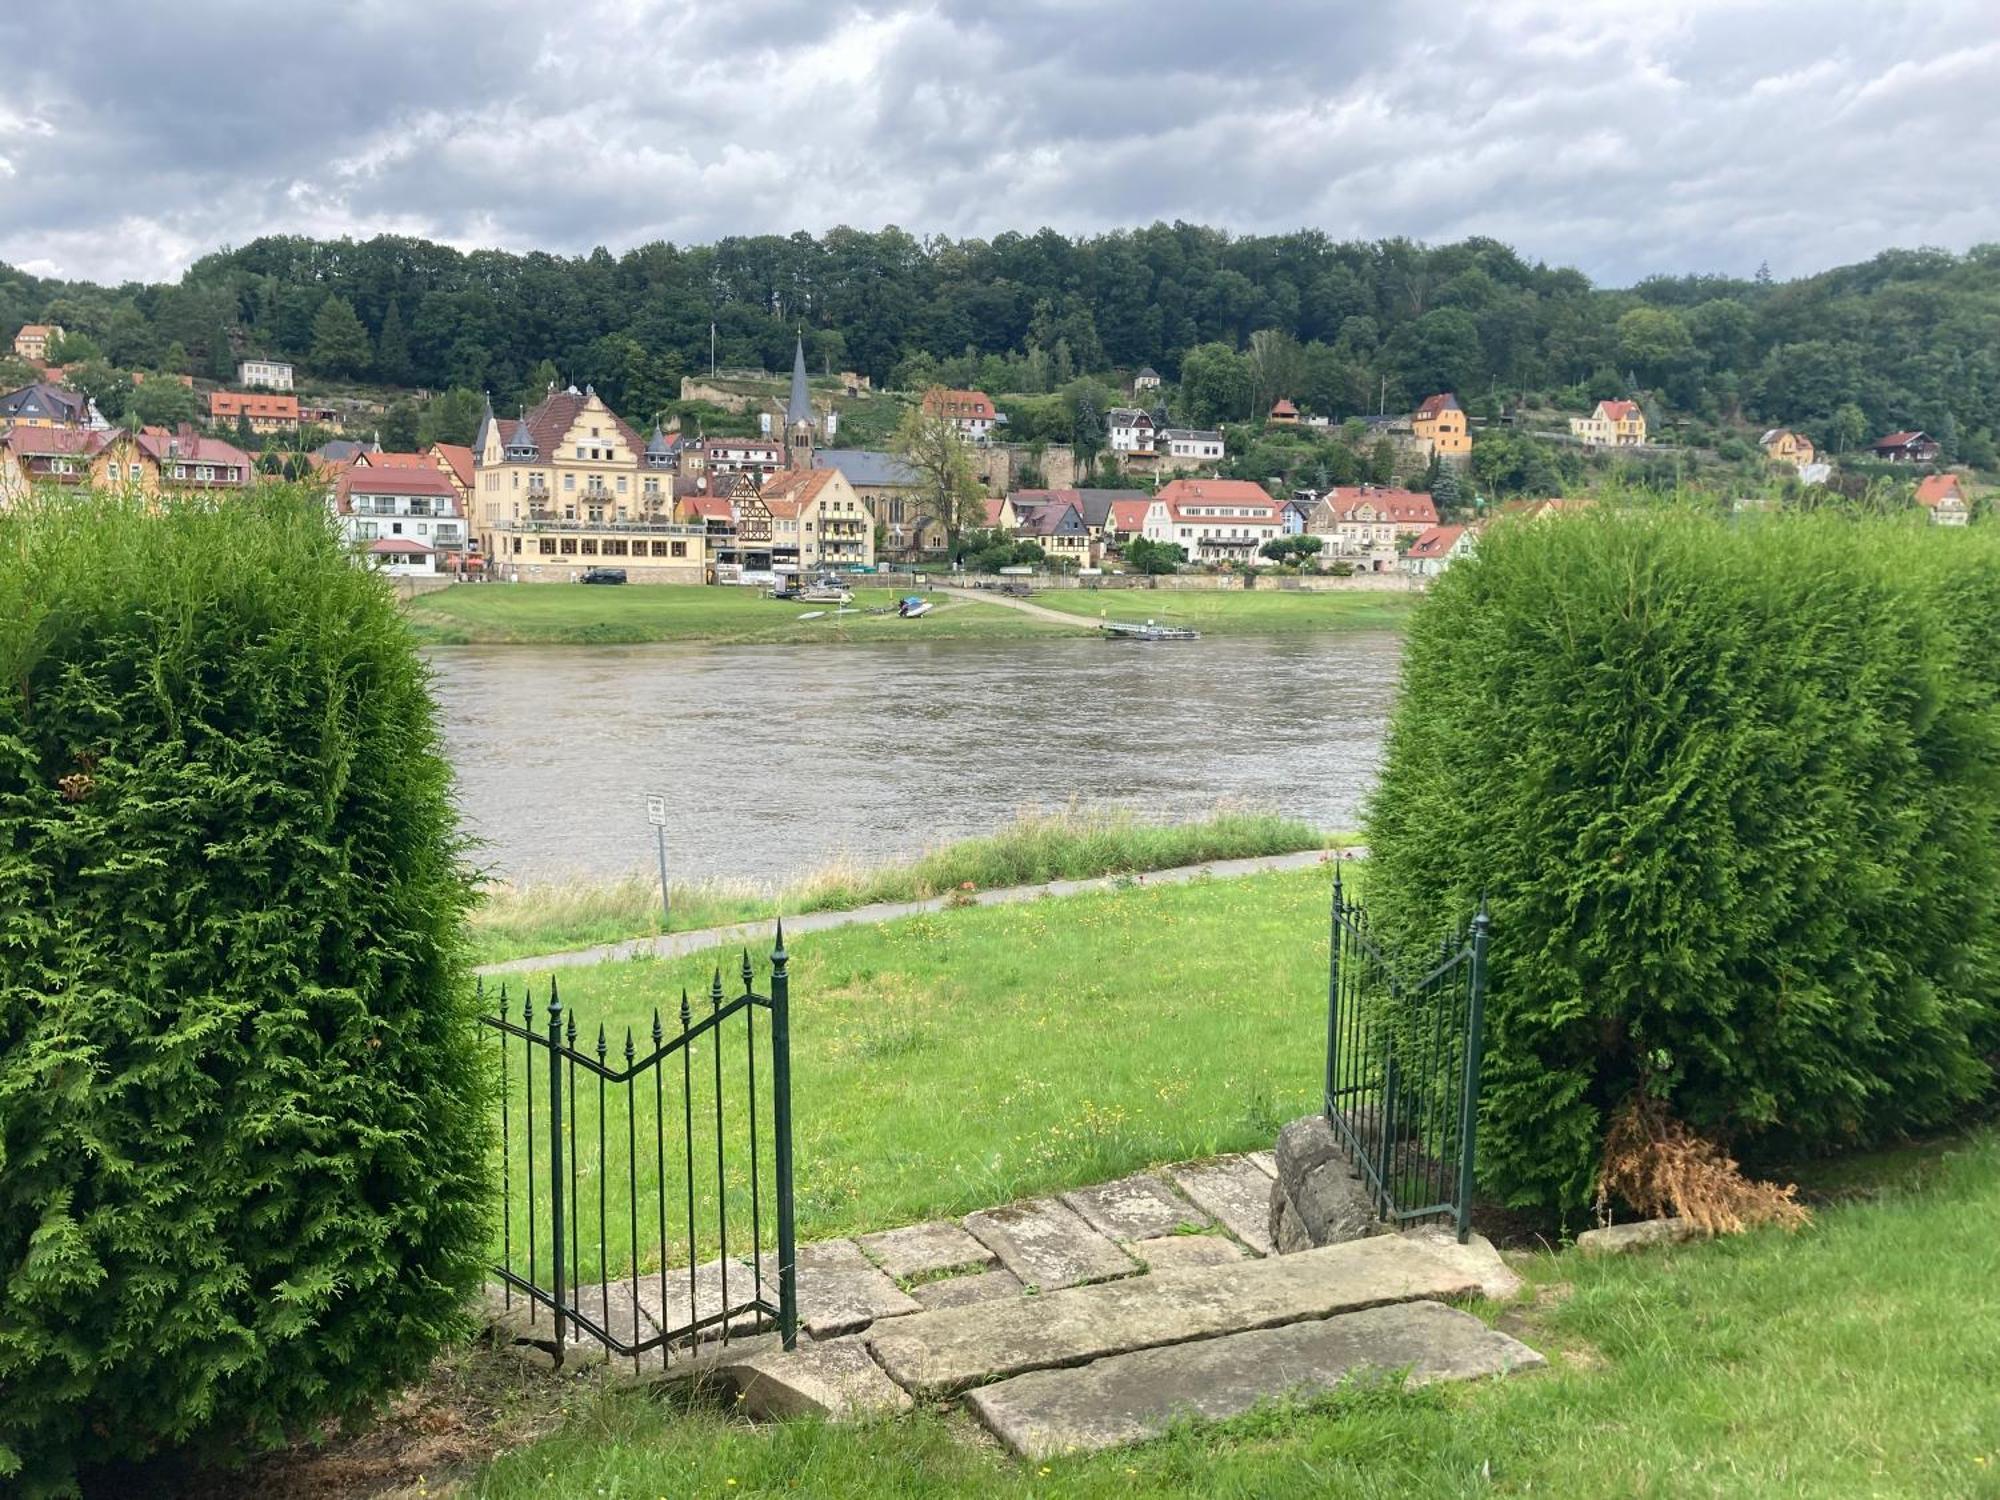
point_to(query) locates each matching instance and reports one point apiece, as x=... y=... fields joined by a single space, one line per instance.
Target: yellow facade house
x=1783 y=446
x=1612 y=424
x=564 y=488
x=1440 y=421
x=817 y=521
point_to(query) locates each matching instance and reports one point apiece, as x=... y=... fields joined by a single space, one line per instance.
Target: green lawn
x=577 y=613
x=1234 y=612
x=1064 y=1042
x=1069 y=843
x=1858 y=1358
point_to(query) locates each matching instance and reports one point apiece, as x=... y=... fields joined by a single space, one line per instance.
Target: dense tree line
x=1908 y=339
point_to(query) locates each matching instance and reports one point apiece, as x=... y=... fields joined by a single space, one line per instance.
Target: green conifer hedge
x=243 y=1124
x=1733 y=794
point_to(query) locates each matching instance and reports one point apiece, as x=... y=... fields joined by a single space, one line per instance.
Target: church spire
x=799 y=408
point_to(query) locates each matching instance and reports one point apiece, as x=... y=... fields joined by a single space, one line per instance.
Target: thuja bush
x=1731 y=793
x=242 y=1123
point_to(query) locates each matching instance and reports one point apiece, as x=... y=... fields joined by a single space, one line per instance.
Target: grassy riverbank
x=963 y=1058
x=1857 y=1358
x=589 y=614
x=1245 y=612
x=582 y=614
x=1071 y=843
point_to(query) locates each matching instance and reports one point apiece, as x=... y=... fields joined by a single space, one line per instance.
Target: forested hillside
x=1908 y=339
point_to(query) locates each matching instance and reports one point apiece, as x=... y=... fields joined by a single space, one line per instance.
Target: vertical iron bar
x=687 y=1144
x=603 y=1172
x=756 y=1213
x=1333 y=992
x=506 y=1159
x=632 y=1186
x=660 y=1161
x=721 y=1185
x=575 y=1198
x=555 y=1155
x=528 y=1082
x=1468 y=1127
x=781 y=1123
x=1391 y=1081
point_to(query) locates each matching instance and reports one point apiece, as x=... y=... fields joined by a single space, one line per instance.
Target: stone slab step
x=1236 y=1190
x=962 y=1291
x=1140 y=1207
x=841 y=1291
x=943 y=1352
x=920 y=1251
x=1047 y=1244
x=837 y=1380
x=1130 y=1397
x=677 y=1305
x=1172 y=1252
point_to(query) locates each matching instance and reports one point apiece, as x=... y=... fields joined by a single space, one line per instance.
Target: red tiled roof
x=993 y=512
x=1283 y=408
x=1437 y=542
x=706 y=507
x=961 y=404
x=56 y=440
x=1899 y=439
x=189 y=447
x=1215 y=492
x=460 y=459
x=227 y=404
x=1129 y=516
x=1618 y=411
x=550 y=420
x=398 y=544
x=1933 y=489
x=1433 y=405
x=1403 y=507
x=789 y=491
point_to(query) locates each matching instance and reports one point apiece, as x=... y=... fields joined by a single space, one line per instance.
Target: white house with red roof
x=1943 y=495
x=1361 y=524
x=1436 y=550
x=1611 y=424
x=403 y=518
x=1215 y=520
x=971 y=412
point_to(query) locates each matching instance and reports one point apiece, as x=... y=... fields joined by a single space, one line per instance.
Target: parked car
x=603 y=575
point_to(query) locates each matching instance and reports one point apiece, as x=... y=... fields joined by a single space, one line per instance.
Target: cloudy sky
x=1677 y=135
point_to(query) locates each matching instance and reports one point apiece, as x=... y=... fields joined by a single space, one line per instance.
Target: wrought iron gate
x=1402 y=1064
x=582 y=1147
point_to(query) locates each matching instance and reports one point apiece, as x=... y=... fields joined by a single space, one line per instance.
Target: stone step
x=1047 y=1245
x=1127 y=1398
x=835 y=1379
x=917 y=1252
x=943 y=1352
x=841 y=1291
x=1140 y=1207
x=1236 y=1190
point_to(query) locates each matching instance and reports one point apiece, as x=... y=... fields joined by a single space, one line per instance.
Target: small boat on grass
x=913 y=605
x=813 y=614
x=1152 y=630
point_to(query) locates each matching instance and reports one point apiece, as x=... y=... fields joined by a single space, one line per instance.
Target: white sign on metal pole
x=656 y=810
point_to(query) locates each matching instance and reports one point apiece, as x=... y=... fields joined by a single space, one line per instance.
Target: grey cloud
x=1710 y=136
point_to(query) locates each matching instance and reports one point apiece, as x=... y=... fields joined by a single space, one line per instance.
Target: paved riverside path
x=679 y=944
x=1039 y=611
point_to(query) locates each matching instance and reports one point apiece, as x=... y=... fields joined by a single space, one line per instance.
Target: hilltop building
x=1440 y=421
x=32 y=342
x=266 y=374
x=1612 y=424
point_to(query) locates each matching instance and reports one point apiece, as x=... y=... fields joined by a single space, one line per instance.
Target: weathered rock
x=1234 y=1190
x=836 y=1379
x=1267 y=1162
x=1476 y=1257
x=1140 y=1207
x=1288 y=1235
x=963 y=1291
x=1170 y=1252
x=1130 y=1397
x=1326 y=1199
x=1616 y=1239
x=920 y=1250
x=1047 y=1244
x=936 y=1353
x=841 y=1291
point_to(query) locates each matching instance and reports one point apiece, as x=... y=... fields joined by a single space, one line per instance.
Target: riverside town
x=1026 y=774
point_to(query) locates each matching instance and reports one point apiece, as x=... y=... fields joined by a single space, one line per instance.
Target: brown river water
x=777 y=759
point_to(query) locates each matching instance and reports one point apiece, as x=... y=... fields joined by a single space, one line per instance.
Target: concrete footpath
x=695 y=940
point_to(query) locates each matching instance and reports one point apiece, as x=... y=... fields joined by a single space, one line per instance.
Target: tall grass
x=1073 y=842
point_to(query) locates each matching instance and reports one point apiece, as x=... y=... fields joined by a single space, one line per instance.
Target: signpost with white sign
x=656 y=814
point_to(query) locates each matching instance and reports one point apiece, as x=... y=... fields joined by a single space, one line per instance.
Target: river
x=777 y=759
